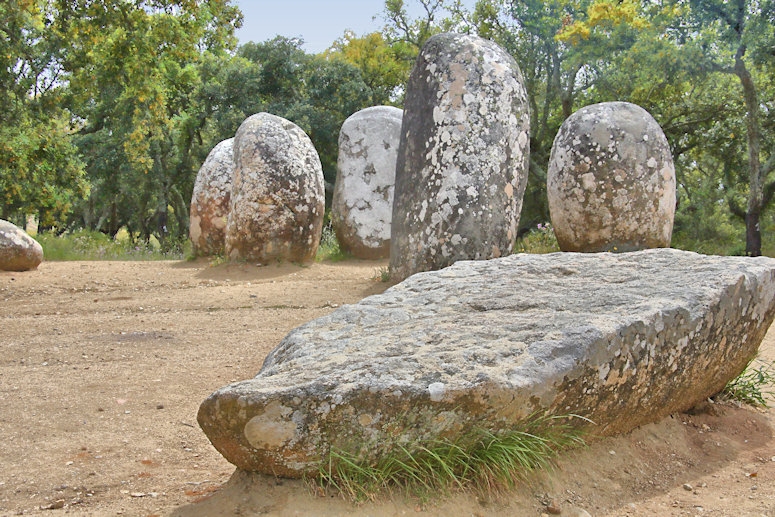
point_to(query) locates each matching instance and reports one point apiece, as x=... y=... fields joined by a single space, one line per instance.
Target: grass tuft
x=481 y=460
x=382 y=274
x=753 y=386
x=329 y=248
x=538 y=240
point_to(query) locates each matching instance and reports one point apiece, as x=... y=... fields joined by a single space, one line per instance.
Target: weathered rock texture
x=18 y=251
x=210 y=200
x=362 y=207
x=611 y=181
x=623 y=339
x=463 y=156
x=278 y=196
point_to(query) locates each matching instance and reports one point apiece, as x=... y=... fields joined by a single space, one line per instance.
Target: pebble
x=56 y=505
x=688 y=487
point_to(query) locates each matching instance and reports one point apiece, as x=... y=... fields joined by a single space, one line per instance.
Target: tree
x=735 y=38
x=383 y=67
x=41 y=173
x=132 y=70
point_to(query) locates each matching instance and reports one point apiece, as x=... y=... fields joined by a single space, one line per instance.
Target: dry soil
x=103 y=366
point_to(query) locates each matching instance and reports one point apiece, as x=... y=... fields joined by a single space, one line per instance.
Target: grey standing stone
x=463 y=156
x=211 y=199
x=18 y=251
x=278 y=196
x=622 y=339
x=611 y=181
x=362 y=207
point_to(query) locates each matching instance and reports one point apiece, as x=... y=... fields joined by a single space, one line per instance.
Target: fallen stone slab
x=621 y=339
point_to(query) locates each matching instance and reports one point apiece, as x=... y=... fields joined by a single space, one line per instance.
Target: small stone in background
x=18 y=251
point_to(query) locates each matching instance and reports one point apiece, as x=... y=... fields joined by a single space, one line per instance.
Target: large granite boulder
x=210 y=200
x=278 y=194
x=18 y=251
x=611 y=181
x=362 y=206
x=622 y=339
x=463 y=156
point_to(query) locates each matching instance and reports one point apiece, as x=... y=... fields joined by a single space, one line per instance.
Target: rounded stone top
x=611 y=180
x=375 y=112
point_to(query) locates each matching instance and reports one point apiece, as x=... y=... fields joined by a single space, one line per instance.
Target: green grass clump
x=92 y=245
x=329 y=248
x=753 y=386
x=382 y=274
x=538 y=240
x=482 y=460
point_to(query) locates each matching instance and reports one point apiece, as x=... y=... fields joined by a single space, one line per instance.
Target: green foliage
x=92 y=245
x=42 y=173
x=382 y=274
x=40 y=170
x=538 y=240
x=481 y=460
x=132 y=71
x=329 y=249
x=753 y=386
x=383 y=66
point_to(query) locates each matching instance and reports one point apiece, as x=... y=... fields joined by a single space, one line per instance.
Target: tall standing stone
x=611 y=181
x=463 y=156
x=278 y=196
x=210 y=200
x=362 y=207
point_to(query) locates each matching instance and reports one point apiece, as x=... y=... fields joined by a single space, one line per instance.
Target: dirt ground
x=103 y=366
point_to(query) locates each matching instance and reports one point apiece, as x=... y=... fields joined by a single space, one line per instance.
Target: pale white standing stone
x=362 y=206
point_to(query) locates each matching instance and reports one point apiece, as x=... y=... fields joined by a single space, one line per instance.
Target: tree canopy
x=109 y=107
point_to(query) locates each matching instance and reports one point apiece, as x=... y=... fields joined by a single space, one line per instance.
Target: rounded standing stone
x=611 y=181
x=362 y=207
x=18 y=251
x=463 y=156
x=210 y=200
x=278 y=196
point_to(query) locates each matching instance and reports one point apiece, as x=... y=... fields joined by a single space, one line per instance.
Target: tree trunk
x=753 y=237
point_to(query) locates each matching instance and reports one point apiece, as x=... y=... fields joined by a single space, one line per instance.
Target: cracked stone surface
x=463 y=156
x=622 y=339
x=611 y=181
x=211 y=199
x=18 y=251
x=278 y=196
x=362 y=206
